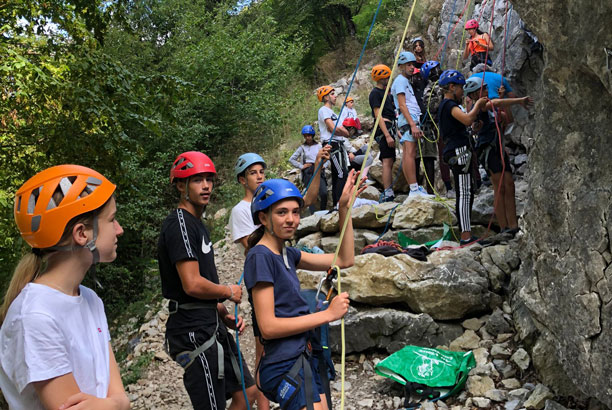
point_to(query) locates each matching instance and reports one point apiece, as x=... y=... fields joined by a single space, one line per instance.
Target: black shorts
x=491 y=160
x=206 y=390
x=385 y=150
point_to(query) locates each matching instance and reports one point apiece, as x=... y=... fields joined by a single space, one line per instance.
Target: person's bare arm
x=340 y=130
x=63 y=392
x=382 y=124
x=313 y=190
x=199 y=287
x=414 y=128
x=526 y=102
x=273 y=327
x=468 y=118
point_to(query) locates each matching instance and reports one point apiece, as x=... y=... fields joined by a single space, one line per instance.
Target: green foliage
x=161 y=82
x=137 y=368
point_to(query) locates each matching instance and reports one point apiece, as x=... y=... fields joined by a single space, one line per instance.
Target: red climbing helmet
x=191 y=163
x=471 y=24
x=349 y=122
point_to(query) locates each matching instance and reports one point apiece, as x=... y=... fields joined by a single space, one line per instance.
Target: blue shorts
x=270 y=376
x=405 y=130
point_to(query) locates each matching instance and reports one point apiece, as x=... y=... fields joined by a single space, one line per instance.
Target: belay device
x=426 y=373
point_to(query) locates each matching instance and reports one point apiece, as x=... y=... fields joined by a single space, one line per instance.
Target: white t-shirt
x=325 y=113
x=47 y=334
x=347 y=113
x=241 y=221
x=401 y=85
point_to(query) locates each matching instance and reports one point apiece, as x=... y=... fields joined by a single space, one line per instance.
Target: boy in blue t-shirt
x=408 y=121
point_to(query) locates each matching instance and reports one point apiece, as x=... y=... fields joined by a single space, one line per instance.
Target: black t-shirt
x=488 y=132
x=453 y=132
x=418 y=86
x=184 y=237
x=376 y=97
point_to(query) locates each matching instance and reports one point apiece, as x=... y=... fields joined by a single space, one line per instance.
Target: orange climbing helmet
x=323 y=91
x=380 y=72
x=471 y=24
x=350 y=99
x=191 y=163
x=40 y=220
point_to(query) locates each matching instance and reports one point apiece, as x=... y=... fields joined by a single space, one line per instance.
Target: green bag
x=429 y=373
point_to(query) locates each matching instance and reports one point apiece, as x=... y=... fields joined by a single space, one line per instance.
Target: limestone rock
x=569 y=228
x=472 y=324
x=375 y=173
x=311 y=240
x=450 y=285
x=521 y=358
x=390 y=330
x=467 y=341
x=370 y=193
x=479 y=385
x=538 y=397
x=497 y=324
x=308 y=225
x=419 y=212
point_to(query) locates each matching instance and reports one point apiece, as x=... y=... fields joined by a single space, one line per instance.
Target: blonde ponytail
x=26 y=271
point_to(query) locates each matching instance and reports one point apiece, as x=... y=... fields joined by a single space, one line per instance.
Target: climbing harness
x=186 y=358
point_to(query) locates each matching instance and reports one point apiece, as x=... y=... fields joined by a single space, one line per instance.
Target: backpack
x=427 y=373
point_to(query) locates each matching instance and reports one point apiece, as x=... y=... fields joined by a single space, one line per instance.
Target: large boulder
x=450 y=285
x=418 y=212
x=400 y=184
x=367 y=216
x=390 y=330
x=565 y=279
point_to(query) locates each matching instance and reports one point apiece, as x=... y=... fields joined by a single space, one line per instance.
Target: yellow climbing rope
x=345 y=223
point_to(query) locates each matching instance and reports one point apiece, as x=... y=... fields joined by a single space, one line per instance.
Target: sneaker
x=510 y=231
x=468 y=241
x=420 y=191
x=387 y=199
x=451 y=194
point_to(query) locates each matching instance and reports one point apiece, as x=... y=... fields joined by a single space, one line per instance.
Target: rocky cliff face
x=562 y=297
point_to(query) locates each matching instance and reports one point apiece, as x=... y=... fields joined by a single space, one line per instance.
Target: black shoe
x=387 y=199
x=510 y=231
x=473 y=239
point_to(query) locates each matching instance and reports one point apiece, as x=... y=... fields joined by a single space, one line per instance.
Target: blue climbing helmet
x=427 y=67
x=473 y=84
x=246 y=160
x=308 y=130
x=406 y=57
x=271 y=192
x=451 y=77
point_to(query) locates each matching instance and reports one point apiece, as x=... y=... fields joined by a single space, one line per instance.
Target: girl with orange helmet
x=478 y=46
x=56 y=350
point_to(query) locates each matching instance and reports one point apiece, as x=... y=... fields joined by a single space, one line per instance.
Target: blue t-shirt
x=401 y=85
x=493 y=81
x=263 y=265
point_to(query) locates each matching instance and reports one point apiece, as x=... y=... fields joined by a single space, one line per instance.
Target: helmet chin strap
x=187 y=189
x=91 y=246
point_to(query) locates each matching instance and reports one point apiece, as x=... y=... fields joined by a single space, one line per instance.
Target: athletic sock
x=389 y=193
x=414 y=187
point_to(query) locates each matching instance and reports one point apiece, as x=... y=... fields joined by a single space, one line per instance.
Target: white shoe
x=420 y=191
